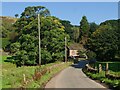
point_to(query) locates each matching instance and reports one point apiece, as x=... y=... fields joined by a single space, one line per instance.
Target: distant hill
x=8 y=18
x=7 y=31
x=7 y=26
x=113 y=23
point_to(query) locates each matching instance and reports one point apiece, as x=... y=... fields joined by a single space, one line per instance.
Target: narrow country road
x=73 y=77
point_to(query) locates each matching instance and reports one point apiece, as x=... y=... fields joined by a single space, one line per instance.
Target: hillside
x=8 y=18
x=6 y=28
x=7 y=31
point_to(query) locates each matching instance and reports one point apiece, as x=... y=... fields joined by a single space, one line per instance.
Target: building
x=73 y=50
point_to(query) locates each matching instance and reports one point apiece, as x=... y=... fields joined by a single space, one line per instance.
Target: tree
x=16 y=15
x=76 y=34
x=15 y=47
x=84 y=30
x=29 y=14
x=3 y=32
x=91 y=55
x=104 y=42
x=93 y=27
x=68 y=28
x=34 y=11
x=84 y=26
x=118 y=31
x=115 y=24
x=52 y=36
x=52 y=40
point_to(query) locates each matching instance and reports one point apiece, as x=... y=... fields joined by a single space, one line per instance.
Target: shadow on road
x=80 y=64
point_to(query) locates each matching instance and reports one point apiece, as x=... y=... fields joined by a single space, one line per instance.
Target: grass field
x=12 y=77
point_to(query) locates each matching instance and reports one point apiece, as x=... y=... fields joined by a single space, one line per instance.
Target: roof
x=75 y=46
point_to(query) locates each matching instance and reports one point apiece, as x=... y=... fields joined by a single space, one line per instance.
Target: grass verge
x=45 y=78
x=12 y=77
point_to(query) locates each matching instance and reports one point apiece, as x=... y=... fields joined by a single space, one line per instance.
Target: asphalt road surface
x=73 y=77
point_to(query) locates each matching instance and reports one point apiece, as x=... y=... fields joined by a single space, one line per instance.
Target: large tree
x=84 y=30
x=29 y=14
x=104 y=42
x=52 y=39
x=84 y=26
x=115 y=24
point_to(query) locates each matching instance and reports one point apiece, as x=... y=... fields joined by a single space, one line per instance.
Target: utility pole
x=39 y=39
x=65 y=49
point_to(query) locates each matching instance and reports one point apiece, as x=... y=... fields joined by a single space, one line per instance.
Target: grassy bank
x=45 y=78
x=13 y=77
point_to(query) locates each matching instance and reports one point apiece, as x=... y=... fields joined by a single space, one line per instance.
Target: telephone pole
x=65 y=49
x=39 y=39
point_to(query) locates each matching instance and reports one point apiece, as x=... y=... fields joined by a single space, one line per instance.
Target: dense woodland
x=102 y=42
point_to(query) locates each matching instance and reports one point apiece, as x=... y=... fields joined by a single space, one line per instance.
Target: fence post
x=96 y=67
x=100 y=68
x=107 y=68
x=24 y=78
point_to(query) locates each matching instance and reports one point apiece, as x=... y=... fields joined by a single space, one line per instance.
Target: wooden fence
x=100 y=69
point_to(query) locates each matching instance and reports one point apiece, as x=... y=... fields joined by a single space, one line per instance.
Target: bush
x=5 y=42
x=45 y=56
x=91 y=55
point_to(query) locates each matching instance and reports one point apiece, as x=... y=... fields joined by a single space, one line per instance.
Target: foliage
x=75 y=34
x=7 y=26
x=91 y=55
x=84 y=26
x=5 y=42
x=68 y=28
x=93 y=28
x=15 y=47
x=82 y=52
x=52 y=35
x=16 y=15
x=104 y=42
x=118 y=31
x=46 y=56
x=3 y=32
x=30 y=14
x=112 y=23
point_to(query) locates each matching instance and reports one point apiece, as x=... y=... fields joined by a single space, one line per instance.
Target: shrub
x=91 y=55
x=5 y=42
